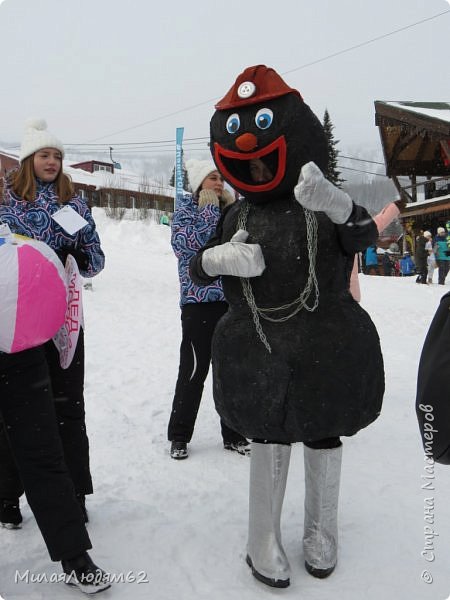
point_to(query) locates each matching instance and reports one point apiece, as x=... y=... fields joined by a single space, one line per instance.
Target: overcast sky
x=92 y=68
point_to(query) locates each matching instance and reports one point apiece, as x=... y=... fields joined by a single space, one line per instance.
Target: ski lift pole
x=178 y=166
x=115 y=164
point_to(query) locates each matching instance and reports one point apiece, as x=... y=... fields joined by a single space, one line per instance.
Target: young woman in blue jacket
x=33 y=194
x=41 y=404
x=194 y=222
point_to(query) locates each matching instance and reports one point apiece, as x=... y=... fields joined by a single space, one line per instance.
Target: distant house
x=94 y=165
x=416 y=143
x=122 y=189
x=99 y=185
x=8 y=161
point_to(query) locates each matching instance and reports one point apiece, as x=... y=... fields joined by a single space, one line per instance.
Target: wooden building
x=415 y=137
x=94 y=165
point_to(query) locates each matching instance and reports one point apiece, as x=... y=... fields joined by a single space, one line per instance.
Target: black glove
x=447 y=253
x=80 y=257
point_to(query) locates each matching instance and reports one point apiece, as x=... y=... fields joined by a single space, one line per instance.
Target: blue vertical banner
x=179 y=166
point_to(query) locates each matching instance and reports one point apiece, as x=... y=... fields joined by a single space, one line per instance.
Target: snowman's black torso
x=324 y=375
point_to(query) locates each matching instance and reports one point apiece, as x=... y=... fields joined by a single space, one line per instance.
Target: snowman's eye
x=264 y=118
x=233 y=123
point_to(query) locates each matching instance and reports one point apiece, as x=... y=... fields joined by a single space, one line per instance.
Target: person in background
x=388 y=264
x=442 y=253
x=371 y=260
x=194 y=222
x=396 y=272
x=382 y=220
x=407 y=266
x=33 y=194
x=431 y=258
x=420 y=258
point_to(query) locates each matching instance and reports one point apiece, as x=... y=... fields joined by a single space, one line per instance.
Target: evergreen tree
x=332 y=173
x=185 y=175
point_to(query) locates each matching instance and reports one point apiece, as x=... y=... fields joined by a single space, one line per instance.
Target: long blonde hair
x=23 y=182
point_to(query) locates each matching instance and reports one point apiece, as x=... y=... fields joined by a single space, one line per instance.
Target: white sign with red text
x=67 y=337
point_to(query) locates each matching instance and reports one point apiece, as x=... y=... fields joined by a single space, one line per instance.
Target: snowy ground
x=181 y=526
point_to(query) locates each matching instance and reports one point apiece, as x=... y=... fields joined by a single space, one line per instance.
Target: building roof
x=121 y=180
x=9 y=154
x=415 y=137
x=426 y=207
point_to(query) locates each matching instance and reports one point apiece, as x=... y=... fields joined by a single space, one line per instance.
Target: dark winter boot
x=320 y=536
x=269 y=464
x=81 y=572
x=10 y=515
x=178 y=450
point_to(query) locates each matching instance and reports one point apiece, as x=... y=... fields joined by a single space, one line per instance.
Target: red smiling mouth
x=231 y=160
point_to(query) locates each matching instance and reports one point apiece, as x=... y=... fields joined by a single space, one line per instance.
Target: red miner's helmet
x=255 y=85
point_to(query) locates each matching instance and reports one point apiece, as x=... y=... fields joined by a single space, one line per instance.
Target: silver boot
x=320 y=536
x=269 y=465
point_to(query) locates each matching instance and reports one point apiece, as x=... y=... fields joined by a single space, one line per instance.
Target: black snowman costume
x=295 y=359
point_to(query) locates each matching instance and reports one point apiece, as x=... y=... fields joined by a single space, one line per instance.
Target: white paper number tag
x=5 y=231
x=69 y=220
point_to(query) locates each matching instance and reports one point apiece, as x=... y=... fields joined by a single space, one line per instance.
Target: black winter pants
x=28 y=412
x=443 y=268
x=198 y=322
x=67 y=386
x=422 y=272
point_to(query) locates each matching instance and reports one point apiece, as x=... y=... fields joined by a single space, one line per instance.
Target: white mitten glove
x=234 y=258
x=315 y=192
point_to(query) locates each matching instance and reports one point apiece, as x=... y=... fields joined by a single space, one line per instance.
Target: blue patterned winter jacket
x=33 y=219
x=191 y=229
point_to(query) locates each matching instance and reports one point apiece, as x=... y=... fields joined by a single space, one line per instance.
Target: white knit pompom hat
x=197 y=171
x=36 y=137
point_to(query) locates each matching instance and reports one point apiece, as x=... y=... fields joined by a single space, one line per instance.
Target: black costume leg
x=68 y=388
x=27 y=408
x=229 y=435
x=327 y=443
x=198 y=323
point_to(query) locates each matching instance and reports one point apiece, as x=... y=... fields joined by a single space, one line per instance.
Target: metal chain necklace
x=311 y=285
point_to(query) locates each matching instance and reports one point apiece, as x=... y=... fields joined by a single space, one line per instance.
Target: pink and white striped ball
x=33 y=293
